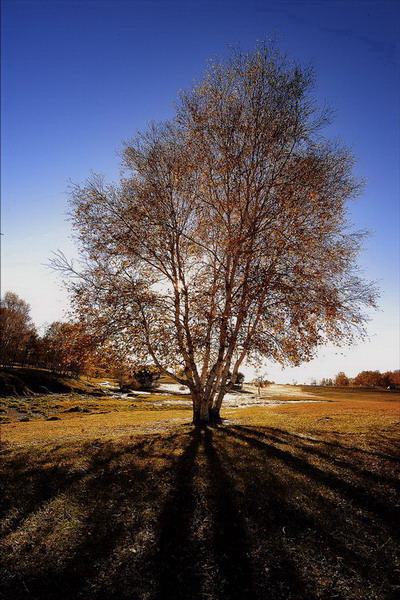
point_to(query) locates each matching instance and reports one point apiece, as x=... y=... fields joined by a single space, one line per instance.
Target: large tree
x=226 y=239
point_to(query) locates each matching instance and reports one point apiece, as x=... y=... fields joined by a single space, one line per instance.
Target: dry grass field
x=123 y=499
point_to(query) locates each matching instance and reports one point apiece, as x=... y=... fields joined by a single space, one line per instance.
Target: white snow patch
x=109 y=385
x=173 y=388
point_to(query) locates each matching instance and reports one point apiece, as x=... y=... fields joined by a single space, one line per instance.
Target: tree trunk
x=215 y=417
x=201 y=416
x=206 y=412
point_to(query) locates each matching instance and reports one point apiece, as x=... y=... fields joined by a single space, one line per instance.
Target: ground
x=120 y=498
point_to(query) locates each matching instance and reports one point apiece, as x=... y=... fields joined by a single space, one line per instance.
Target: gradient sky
x=81 y=76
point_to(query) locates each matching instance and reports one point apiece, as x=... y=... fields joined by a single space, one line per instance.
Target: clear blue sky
x=81 y=76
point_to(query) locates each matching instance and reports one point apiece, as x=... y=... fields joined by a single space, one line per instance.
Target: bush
x=140 y=378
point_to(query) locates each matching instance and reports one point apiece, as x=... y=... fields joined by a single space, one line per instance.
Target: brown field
x=127 y=501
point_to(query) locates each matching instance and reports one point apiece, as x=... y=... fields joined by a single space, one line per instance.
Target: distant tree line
x=63 y=347
x=373 y=379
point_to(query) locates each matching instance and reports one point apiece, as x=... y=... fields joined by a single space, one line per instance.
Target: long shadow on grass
x=303 y=543
x=354 y=494
x=259 y=543
x=105 y=494
x=335 y=445
x=230 y=543
x=25 y=488
x=179 y=575
x=281 y=437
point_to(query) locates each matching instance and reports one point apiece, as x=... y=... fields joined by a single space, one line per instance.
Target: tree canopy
x=17 y=332
x=227 y=237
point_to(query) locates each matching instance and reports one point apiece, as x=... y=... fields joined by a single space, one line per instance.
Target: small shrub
x=141 y=378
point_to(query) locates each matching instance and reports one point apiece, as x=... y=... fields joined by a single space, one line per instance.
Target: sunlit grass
x=340 y=412
x=109 y=424
x=66 y=416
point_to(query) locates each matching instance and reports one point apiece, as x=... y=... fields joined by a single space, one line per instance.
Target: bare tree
x=226 y=239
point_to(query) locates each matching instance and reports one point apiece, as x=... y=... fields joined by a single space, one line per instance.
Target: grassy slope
x=18 y=381
x=293 y=501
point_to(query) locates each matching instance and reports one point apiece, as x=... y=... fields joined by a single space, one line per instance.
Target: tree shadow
x=355 y=494
x=281 y=437
x=107 y=499
x=214 y=559
x=230 y=544
x=324 y=543
x=179 y=575
x=217 y=514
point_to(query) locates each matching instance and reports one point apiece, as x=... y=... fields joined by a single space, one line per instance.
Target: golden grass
x=85 y=417
x=342 y=417
x=88 y=426
x=339 y=413
x=291 y=502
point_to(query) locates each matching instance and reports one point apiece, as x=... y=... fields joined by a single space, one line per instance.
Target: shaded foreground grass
x=294 y=502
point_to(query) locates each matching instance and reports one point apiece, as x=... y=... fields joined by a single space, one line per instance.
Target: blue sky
x=81 y=76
